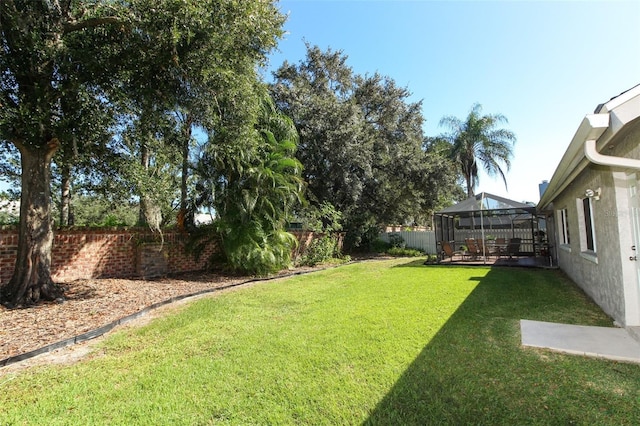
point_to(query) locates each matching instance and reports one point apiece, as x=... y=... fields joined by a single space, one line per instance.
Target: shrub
x=111 y=220
x=380 y=246
x=431 y=258
x=396 y=240
x=408 y=252
x=320 y=250
x=8 y=219
x=254 y=250
x=245 y=248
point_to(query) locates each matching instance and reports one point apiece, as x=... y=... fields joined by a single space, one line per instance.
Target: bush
x=322 y=218
x=431 y=258
x=246 y=248
x=408 y=252
x=396 y=240
x=380 y=246
x=321 y=250
x=251 y=249
x=8 y=219
x=111 y=220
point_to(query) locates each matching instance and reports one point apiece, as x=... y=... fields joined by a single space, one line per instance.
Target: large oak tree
x=361 y=144
x=125 y=54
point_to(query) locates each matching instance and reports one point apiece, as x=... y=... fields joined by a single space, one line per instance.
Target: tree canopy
x=77 y=72
x=361 y=144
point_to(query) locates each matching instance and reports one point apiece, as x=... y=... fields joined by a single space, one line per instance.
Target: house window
x=563 y=221
x=586 y=227
x=590 y=241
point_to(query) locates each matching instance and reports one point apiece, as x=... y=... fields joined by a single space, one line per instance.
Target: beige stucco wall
x=603 y=274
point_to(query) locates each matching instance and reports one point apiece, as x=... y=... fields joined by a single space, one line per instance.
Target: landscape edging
x=100 y=331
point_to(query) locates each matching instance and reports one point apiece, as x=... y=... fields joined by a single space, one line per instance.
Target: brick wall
x=117 y=253
x=8 y=250
x=107 y=253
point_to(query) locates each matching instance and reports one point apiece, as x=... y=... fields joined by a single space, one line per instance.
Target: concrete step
x=634 y=332
x=601 y=342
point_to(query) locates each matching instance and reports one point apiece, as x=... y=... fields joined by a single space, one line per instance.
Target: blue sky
x=544 y=65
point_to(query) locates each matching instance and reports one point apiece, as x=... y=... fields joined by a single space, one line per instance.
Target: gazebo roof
x=488 y=202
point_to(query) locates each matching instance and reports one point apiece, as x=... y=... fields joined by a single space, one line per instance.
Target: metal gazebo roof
x=488 y=202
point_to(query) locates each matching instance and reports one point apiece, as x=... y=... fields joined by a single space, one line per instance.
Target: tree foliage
x=360 y=143
x=73 y=68
x=255 y=186
x=478 y=141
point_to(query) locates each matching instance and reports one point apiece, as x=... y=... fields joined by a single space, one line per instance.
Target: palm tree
x=478 y=139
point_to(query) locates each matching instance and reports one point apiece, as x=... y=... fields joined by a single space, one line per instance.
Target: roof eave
x=599 y=128
x=573 y=161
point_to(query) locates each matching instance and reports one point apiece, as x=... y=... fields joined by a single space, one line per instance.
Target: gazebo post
x=484 y=248
x=533 y=236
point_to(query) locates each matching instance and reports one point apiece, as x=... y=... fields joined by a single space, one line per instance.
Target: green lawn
x=385 y=342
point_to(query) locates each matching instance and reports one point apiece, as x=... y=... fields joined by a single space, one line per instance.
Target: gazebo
x=489 y=217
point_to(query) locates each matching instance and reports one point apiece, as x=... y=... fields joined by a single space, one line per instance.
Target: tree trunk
x=186 y=136
x=186 y=141
x=145 y=157
x=469 y=179
x=65 y=197
x=31 y=281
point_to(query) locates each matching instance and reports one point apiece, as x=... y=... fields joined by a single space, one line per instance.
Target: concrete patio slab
x=600 y=342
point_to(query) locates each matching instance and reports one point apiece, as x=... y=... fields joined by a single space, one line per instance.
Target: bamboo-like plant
x=255 y=195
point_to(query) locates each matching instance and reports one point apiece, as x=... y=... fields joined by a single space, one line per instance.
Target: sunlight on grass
x=386 y=342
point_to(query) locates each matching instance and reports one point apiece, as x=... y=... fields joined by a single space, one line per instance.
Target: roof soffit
x=573 y=160
x=603 y=126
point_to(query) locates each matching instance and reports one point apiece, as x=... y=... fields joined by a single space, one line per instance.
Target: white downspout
x=594 y=156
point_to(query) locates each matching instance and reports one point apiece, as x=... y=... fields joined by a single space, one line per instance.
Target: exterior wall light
x=593 y=193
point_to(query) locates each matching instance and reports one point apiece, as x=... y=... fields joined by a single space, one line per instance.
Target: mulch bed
x=94 y=303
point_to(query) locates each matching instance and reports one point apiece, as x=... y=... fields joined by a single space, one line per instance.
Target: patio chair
x=499 y=247
x=472 y=247
x=448 y=251
x=483 y=247
x=513 y=248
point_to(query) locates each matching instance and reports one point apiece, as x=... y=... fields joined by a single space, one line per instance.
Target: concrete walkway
x=600 y=342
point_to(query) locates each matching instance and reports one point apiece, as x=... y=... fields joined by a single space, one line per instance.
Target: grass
x=385 y=342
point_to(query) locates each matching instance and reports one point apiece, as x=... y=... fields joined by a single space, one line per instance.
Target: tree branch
x=91 y=23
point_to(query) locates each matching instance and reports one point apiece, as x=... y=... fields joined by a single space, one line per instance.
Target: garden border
x=100 y=331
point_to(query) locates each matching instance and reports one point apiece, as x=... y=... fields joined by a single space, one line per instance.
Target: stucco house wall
x=604 y=157
x=599 y=272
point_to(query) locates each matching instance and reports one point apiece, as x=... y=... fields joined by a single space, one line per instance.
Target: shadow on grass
x=474 y=370
x=417 y=263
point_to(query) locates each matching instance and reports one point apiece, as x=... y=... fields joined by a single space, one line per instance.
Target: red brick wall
x=114 y=253
x=92 y=253
x=8 y=251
